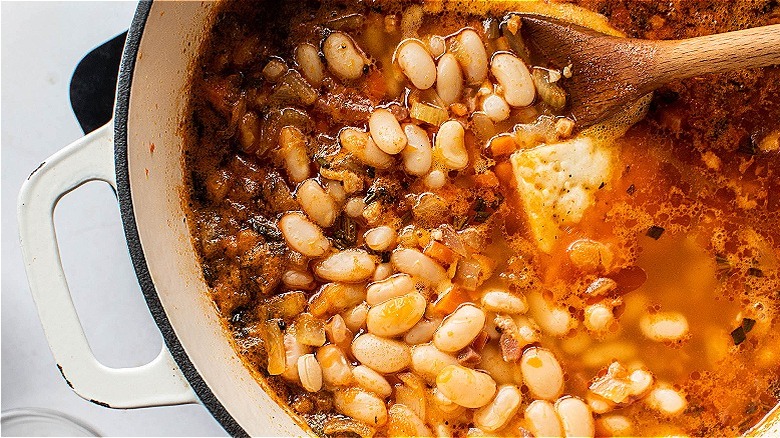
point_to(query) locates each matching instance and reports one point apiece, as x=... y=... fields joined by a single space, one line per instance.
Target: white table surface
x=42 y=43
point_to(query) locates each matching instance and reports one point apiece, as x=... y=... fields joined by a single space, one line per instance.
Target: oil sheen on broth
x=406 y=235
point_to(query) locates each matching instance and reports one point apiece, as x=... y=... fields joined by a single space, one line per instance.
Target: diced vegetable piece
x=440 y=252
x=310 y=330
x=449 y=301
x=428 y=114
x=274 y=346
x=287 y=305
x=551 y=93
x=502 y=144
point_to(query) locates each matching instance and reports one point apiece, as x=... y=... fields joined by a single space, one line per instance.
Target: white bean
x=404 y=422
x=394 y=286
x=495 y=107
x=310 y=373
x=444 y=404
x=598 y=318
x=316 y=203
x=599 y=404
x=294 y=279
x=428 y=361
x=542 y=420
x=348 y=266
x=450 y=147
x=302 y=235
x=449 y=79
x=472 y=56
x=527 y=330
x=383 y=271
x=641 y=382
x=386 y=131
x=501 y=371
x=396 y=316
x=344 y=58
x=355 y=318
x=436 y=45
x=666 y=400
x=503 y=407
x=416 y=63
x=435 y=179
x=361 y=405
x=292 y=351
x=575 y=416
x=411 y=393
x=418 y=265
x=381 y=238
x=553 y=320
x=460 y=328
x=380 y=354
x=614 y=425
x=337 y=330
x=422 y=332
x=362 y=146
x=502 y=301
x=542 y=373
x=355 y=206
x=336 y=371
x=466 y=387
x=370 y=380
x=664 y=326
x=336 y=190
x=418 y=154
x=308 y=58
x=292 y=144
x=515 y=79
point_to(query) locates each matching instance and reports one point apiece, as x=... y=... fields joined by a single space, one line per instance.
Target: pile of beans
x=377 y=333
x=398 y=317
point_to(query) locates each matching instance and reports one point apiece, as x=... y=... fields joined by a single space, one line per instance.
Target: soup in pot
x=407 y=234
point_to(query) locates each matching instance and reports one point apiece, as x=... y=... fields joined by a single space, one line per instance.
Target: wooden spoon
x=609 y=72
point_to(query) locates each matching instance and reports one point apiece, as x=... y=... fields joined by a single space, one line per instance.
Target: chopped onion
x=310 y=330
x=483 y=127
x=468 y=274
x=551 y=93
x=450 y=238
x=411 y=393
x=428 y=114
x=287 y=305
x=274 y=346
x=336 y=426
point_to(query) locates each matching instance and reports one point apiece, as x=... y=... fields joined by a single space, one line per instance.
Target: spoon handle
x=749 y=48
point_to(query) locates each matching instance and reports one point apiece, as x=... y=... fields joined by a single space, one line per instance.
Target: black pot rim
x=125 y=79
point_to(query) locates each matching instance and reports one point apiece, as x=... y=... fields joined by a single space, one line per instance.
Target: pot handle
x=159 y=382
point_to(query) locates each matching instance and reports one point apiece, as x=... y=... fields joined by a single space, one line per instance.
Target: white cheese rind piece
x=558 y=182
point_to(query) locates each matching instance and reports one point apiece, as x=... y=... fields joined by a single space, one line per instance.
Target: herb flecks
x=755 y=272
x=345 y=232
x=748 y=146
x=655 y=232
x=739 y=334
x=460 y=222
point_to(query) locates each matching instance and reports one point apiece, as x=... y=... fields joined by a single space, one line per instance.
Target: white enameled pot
x=139 y=153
